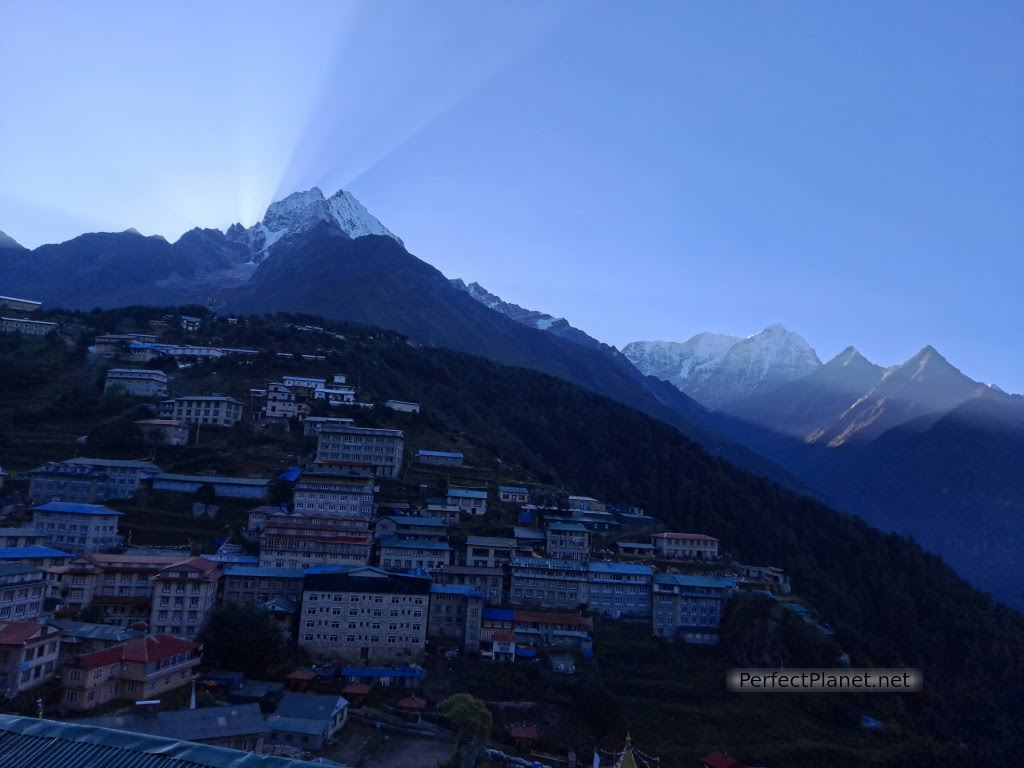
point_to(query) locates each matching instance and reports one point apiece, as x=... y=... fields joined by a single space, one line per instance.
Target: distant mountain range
x=918 y=448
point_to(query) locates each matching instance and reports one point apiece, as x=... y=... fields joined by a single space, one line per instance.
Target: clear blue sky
x=854 y=170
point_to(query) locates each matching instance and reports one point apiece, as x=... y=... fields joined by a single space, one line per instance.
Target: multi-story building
x=183 y=594
x=22 y=589
x=121 y=586
x=455 y=613
x=28 y=655
x=284 y=403
x=489 y=581
x=489 y=551
x=440 y=458
x=78 y=528
x=8 y=303
x=214 y=410
x=689 y=608
x=246 y=584
x=585 y=504
x=304 y=386
x=365 y=614
x=26 y=536
x=312 y=425
x=529 y=541
x=549 y=629
x=548 y=582
x=142 y=669
x=335 y=394
x=334 y=492
x=379 y=449
x=410 y=527
x=685 y=546
x=472 y=501
x=88 y=481
x=140 y=382
x=568 y=541
x=619 y=590
x=413 y=554
x=440 y=509
x=25 y=326
x=305 y=540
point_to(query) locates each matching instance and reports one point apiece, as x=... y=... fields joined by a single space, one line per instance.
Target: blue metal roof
x=68 y=507
x=526 y=653
x=262 y=572
x=498 y=614
x=466 y=493
x=600 y=566
x=440 y=454
x=405 y=672
x=30 y=553
x=688 y=580
x=290 y=475
x=426 y=522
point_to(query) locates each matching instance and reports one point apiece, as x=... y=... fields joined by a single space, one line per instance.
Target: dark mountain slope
x=889 y=601
x=373 y=280
x=806 y=405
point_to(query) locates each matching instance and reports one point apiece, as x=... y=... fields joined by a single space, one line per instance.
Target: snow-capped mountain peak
x=715 y=368
x=301 y=211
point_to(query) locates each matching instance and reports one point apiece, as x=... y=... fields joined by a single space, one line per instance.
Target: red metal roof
x=147 y=649
x=523 y=733
x=18 y=632
x=356 y=689
x=412 y=702
x=503 y=636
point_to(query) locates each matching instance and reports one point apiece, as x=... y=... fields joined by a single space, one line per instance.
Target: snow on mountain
x=530 y=317
x=301 y=211
x=716 y=369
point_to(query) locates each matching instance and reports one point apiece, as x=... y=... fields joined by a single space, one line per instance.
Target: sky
x=853 y=170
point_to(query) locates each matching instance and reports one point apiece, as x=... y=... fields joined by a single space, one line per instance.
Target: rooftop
x=512 y=489
x=466 y=493
x=218 y=479
x=687 y=536
x=30 y=553
x=440 y=454
x=310 y=705
x=393 y=543
x=188 y=724
x=415 y=520
x=28 y=741
x=144 y=650
x=491 y=541
x=70 y=508
x=687 y=580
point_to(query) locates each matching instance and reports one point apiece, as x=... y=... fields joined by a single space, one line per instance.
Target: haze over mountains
x=919 y=447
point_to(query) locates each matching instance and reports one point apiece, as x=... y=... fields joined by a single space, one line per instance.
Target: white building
x=689 y=608
x=335 y=394
x=78 y=528
x=215 y=410
x=183 y=594
x=140 y=382
x=470 y=500
x=333 y=492
x=25 y=326
x=379 y=449
x=366 y=614
x=685 y=546
x=284 y=403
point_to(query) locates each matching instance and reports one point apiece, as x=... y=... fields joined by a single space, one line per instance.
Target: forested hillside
x=890 y=602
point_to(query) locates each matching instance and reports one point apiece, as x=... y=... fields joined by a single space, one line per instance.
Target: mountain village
x=382 y=563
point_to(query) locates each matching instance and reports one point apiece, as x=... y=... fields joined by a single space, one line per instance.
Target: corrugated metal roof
x=70 y=507
x=26 y=742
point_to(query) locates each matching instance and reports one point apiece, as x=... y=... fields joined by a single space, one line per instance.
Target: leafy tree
x=242 y=638
x=468 y=714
